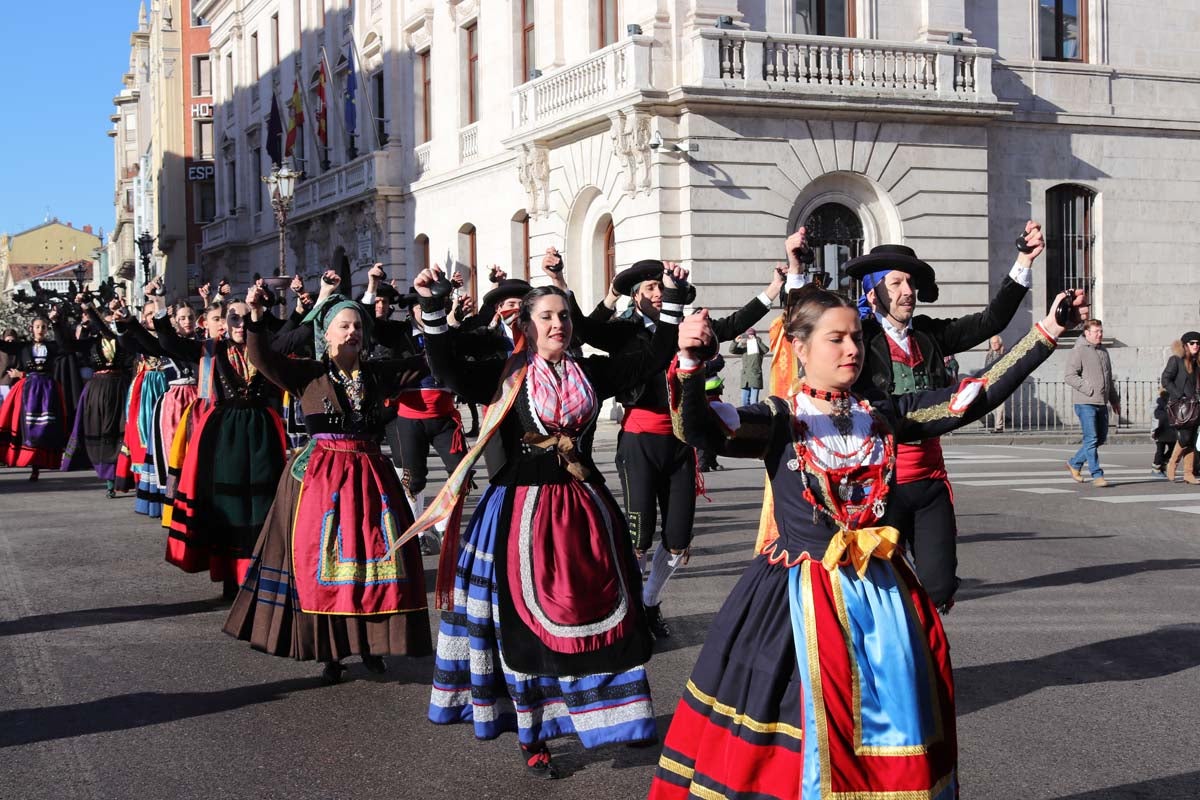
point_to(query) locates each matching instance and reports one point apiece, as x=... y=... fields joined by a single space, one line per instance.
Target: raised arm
x=476 y=381
x=173 y=344
x=923 y=415
x=291 y=374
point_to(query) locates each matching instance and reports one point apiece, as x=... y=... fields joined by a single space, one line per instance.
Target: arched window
x=835 y=234
x=1070 y=239
x=610 y=253
x=522 y=254
x=421 y=253
x=468 y=256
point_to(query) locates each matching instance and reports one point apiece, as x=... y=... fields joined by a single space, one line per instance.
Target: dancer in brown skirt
x=321 y=585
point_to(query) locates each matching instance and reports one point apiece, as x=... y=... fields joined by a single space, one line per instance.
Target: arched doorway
x=835 y=234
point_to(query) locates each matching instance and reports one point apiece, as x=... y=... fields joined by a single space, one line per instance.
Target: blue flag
x=351 y=91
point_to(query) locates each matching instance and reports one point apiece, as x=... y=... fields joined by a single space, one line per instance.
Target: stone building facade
x=162 y=148
x=705 y=131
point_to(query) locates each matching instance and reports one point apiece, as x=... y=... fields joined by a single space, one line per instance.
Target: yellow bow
x=855 y=548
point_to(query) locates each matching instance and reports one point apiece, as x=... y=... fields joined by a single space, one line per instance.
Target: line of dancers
x=825 y=672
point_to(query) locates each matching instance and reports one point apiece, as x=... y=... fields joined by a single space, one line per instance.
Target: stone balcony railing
x=576 y=94
x=223 y=231
x=840 y=68
x=421 y=156
x=346 y=182
x=468 y=142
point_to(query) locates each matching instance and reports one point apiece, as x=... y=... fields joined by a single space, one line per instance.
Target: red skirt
x=33 y=429
x=132 y=452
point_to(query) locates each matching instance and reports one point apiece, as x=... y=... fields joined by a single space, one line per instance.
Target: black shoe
x=111 y=494
x=332 y=674
x=658 y=625
x=717 y=467
x=706 y=469
x=229 y=589
x=537 y=761
x=375 y=664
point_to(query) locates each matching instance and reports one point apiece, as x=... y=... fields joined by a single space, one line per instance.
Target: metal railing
x=1041 y=405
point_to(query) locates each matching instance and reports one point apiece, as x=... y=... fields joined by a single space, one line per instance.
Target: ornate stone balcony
x=777 y=69
x=848 y=72
x=581 y=94
x=342 y=184
x=224 y=231
x=421 y=155
x=468 y=142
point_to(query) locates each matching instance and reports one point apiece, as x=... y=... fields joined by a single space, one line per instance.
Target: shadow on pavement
x=1072 y=577
x=1185 y=785
x=1020 y=536
x=1145 y=656
x=114 y=615
x=27 y=725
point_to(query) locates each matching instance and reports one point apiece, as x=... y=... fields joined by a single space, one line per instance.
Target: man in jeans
x=1089 y=374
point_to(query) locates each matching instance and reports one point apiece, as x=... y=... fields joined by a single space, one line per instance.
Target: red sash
x=646 y=420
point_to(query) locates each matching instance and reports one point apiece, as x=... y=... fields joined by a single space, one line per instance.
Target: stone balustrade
x=340 y=184
x=421 y=156
x=222 y=231
x=863 y=68
x=608 y=75
x=468 y=142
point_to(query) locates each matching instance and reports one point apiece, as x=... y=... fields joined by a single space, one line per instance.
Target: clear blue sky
x=60 y=67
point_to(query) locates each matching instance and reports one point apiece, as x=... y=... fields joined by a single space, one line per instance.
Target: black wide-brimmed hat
x=646 y=270
x=505 y=289
x=891 y=257
x=385 y=291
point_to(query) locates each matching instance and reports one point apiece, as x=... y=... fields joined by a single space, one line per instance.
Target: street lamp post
x=282 y=183
x=145 y=244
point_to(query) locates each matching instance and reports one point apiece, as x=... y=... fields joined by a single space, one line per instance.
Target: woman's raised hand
x=424 y=281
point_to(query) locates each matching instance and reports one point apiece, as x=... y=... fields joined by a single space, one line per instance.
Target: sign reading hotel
x=202 y=110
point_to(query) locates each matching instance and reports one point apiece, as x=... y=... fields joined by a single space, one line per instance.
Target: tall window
x=201 y=76
x=1062 y=30
x=606 y=22
x=425 y=79
x=275 y=40
x=202 y=146
x=254 y=73
x=528 y=52
x=610 y=254
x=204 y=201
x=229 y=76
x=823 y=17
x=468 y=251
x=422 y=248
x=1070 y=239
x=377 y=105
x=231 y=176
x=472 y=74
x=257 y=155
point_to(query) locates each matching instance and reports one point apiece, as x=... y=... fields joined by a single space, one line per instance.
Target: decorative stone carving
x=533 y=171
x=631 y=146
x=463 y=12
x=419 y=30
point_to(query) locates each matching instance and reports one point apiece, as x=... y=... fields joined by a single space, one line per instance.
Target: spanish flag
x=295 y=118
x=322 y=129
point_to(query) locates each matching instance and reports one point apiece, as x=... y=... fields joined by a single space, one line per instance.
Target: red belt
x=647 y=420
x=916 y=462
x=424 y=404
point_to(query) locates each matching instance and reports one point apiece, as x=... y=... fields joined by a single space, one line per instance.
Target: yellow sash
x=855 y=548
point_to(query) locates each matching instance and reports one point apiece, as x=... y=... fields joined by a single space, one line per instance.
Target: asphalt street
x=1076 y=647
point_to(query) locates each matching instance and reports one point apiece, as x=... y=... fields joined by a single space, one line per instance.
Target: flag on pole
x=295 y=119
x=322 y=106
x=275 y=132
x=351 y=92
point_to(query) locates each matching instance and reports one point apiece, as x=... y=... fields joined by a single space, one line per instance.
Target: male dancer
x=658 y=472
x=905 y=353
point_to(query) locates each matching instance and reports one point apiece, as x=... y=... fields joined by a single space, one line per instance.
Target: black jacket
x=1177 y=380
x=937 y=338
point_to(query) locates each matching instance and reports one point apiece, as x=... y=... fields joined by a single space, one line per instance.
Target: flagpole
x=367 y=94
x=340 y=117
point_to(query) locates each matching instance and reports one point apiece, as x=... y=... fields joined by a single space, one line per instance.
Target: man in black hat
x=906 y=353
x=658 y=472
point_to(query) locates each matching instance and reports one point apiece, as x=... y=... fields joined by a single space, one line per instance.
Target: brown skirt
x=266 y=612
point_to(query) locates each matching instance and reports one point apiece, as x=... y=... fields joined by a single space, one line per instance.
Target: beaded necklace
x=840 y=407
x=870 y=479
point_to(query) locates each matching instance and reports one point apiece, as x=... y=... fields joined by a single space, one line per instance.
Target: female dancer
x=322 y=584
x=547 y=635
x=1181 y=379
x=164 y=389
x=100 y=421
x=234 y=456
x=33 y=418
x=826 y=673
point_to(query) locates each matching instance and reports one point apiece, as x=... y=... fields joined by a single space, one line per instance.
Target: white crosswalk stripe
x=1004 y=469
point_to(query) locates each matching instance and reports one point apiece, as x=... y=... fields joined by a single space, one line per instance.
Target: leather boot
x=1173 y=464
x=1189 y=462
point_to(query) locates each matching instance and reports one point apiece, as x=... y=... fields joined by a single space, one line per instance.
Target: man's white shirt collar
x=897 y=335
